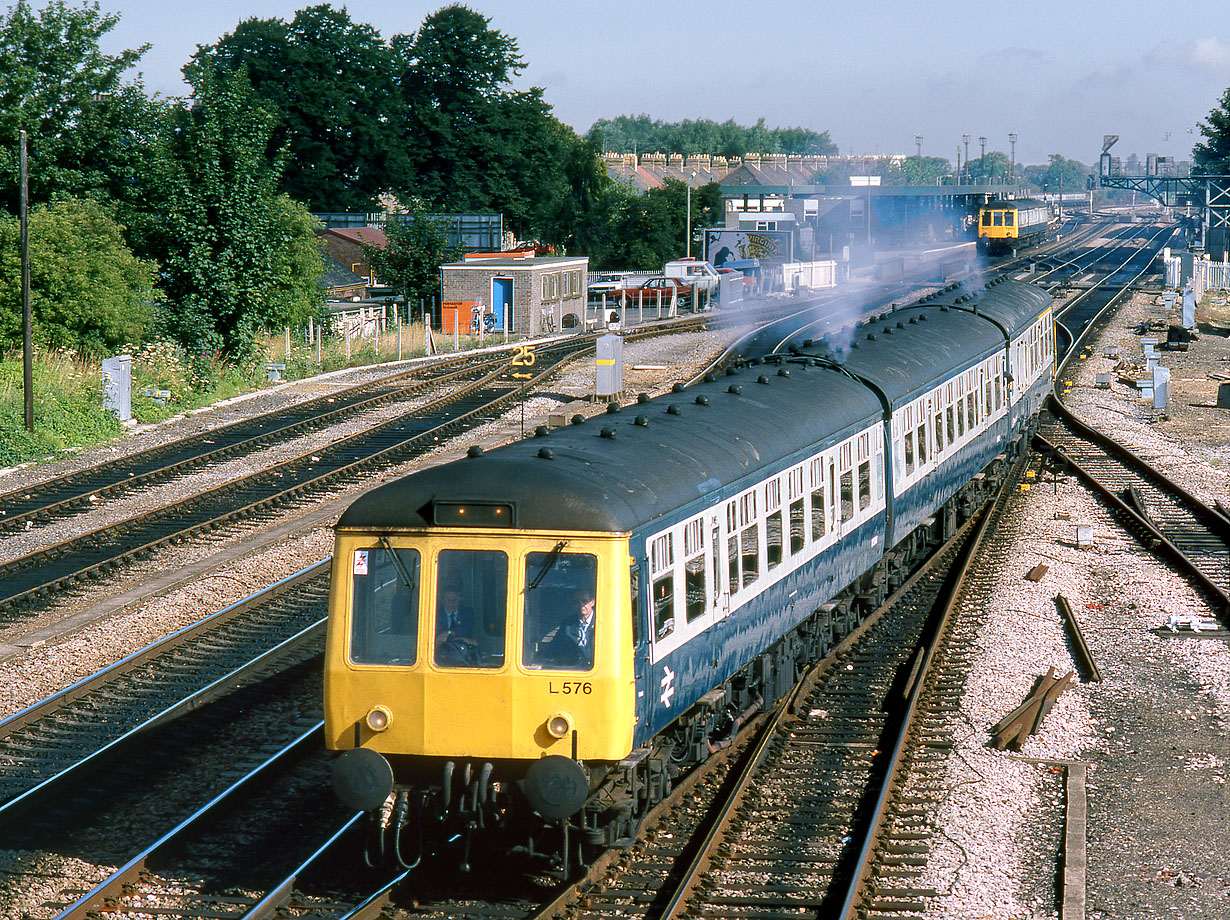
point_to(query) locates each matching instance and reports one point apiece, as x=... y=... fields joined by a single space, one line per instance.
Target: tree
x=1058 y=175
x=640 y=133
x=58 y=86
x=88 y=291
x=417 y=244
x=235 y=256
x=1212 y=158
x=330 y=82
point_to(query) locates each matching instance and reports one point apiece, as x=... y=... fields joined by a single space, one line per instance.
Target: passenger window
x=818 y=514
x=998 y=392
x=971 y=410
x=716 y=544
x=1008 y=218
x=471 y=607
x=939 y=432
x=750 y=553
x=634 y=591
x=798 y=524
x=561 y=615
x=922 y=444
x=960 y=417
x=384 y=614
x=952 y=428
x=732 y=563
x=694 y=588
x=864 y=485
x=773 y=539
x=664 y=606
x=847 y=495
x=909 y=452
x=986 y=402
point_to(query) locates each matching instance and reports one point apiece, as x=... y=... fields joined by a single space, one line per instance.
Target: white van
x=695 y=272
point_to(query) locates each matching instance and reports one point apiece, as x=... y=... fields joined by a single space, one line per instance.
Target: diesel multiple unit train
x=544 y=635
x=1007 y=225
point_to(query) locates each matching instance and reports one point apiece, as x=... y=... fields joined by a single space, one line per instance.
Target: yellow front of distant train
x=1007 y=225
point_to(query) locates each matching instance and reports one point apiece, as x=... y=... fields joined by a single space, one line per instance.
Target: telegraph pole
x=27 y=319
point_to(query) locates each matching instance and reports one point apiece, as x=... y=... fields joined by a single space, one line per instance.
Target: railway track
x=46 y=746
x=62 y=496
x=1160 y=512
x=37 y=576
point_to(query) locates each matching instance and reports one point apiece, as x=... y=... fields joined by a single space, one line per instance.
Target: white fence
x=1206 y=274
x=808 y=275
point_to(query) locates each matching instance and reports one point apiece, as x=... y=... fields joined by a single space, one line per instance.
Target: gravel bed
x=1153 y=732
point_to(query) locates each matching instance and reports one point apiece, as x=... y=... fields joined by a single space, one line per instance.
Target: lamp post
x=918 y=139
x=688 y=228
x=1012 y=161
x=982 y=159
x=965 y=137
x=27 y=317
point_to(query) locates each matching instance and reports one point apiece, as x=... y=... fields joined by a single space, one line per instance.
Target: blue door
x=502 y=303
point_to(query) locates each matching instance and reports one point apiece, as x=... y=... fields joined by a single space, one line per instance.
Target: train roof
x=620 y=470
x=908 y=351
x=1013 y=204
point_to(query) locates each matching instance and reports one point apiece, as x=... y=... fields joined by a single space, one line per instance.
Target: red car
x=653 y=291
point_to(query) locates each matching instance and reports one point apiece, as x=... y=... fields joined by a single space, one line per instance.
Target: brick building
x=529 y=294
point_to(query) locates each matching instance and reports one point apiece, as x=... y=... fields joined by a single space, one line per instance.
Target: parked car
x=652 y=291
x=695 y=272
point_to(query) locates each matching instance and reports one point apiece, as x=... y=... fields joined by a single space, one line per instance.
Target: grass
x=68 y=390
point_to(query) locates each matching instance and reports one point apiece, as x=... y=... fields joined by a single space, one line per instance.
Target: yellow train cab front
x=482 y=644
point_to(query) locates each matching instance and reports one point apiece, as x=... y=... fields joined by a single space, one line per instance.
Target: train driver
x=573 y=644
x=456 y=629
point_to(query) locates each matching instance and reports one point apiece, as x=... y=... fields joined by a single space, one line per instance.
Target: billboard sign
x=723 y=246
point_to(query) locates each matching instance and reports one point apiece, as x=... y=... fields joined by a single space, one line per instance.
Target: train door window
x=952 y=427
x=663 y=606
x=999 y=390
x=939 y=432
x=909 y=452
x=960 y=407
x=773 y=540
x=561 y=617
x=471 y=608
x=694 y=588
x=384 y=614
x=922 y=444
x=634 y=593
x=986 y=218
x=798 y=525
x=749 y=553
x=732 y=562
x=716 y=555
x=864 y=485
x=847 y=495
x=818 y=512
x=986 y=402
x=971 y=409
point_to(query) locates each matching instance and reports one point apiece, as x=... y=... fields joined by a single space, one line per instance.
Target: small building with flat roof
x=526 y=294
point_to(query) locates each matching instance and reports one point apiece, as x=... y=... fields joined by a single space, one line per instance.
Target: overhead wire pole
x=27 y=318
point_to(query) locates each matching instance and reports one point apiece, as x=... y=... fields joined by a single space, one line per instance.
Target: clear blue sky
x=873 y=74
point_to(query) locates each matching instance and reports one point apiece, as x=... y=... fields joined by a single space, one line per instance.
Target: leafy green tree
x=1060 y=174
x=473 y=140
x=235 y=256
x=57 y=85
x=330 y=82
x=417 y=245
x=88 y=291
x=991 y=167
x=640 y=133
x=647 y=230
x=1212 y=157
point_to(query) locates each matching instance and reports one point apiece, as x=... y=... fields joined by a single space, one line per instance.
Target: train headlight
x=378 y=718
x=559 y=725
